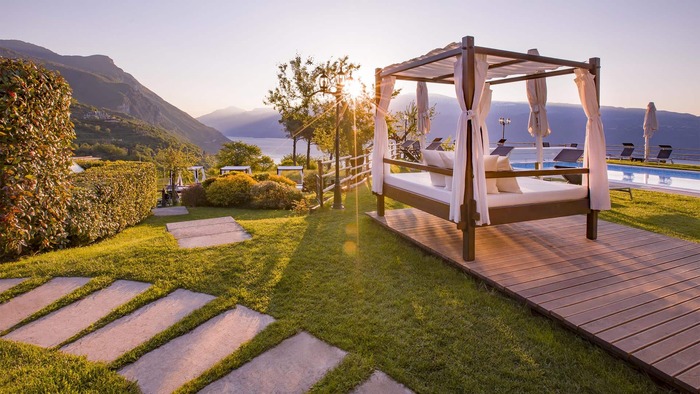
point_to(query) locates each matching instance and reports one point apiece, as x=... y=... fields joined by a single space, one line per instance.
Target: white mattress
x=533 y=190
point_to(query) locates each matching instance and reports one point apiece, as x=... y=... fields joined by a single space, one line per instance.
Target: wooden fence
x=354 y=171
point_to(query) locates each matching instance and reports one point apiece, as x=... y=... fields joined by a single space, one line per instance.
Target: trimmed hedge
x=108 y=198
x=194 y=196
x=35 y=148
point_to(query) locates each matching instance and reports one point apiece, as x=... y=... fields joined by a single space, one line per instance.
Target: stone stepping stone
x=7 y=284
x=25 y=305
x=381 y=383
x=51 y=330
x=126 y=333
x=165 y=369
x=293 y=366
x=207 y=232
x=170 y=211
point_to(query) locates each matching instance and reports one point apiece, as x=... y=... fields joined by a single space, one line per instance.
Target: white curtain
x=538 y=126
x=423 y=113
x=467 y=115
x=484 y=109
x=381 y=135
x=651 y=124
x=594 y=150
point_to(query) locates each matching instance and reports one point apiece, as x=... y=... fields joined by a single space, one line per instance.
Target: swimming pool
x=652 y=176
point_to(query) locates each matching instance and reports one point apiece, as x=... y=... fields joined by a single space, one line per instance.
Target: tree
x=294 y=97
x=405 y=123
x=239 y=153
x=174 y=160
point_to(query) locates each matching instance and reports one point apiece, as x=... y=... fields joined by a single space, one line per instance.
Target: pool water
x=652 y=176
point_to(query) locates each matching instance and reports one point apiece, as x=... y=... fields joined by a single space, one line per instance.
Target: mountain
x=97 y=81
x=567 y=122
x=235 y=122
x=115 y=136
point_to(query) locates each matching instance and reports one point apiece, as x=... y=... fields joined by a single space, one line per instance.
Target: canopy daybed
x=465 y=198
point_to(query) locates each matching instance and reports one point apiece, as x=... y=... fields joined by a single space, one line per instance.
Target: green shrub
x=108 y=198
x=274 y=195
x=35 y=148
x=195 y=196
x=230 y=190
x=310 y=182
x=282 y=180
x=262 y=176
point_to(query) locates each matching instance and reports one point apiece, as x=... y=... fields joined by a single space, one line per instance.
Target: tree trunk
x=294 y=149
x=308 y=153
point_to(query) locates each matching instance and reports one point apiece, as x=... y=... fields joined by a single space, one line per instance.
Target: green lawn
x=350 y=283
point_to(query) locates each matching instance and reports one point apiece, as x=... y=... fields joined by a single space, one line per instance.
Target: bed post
x=592 y=217
x=467 y=209
x=377 y=95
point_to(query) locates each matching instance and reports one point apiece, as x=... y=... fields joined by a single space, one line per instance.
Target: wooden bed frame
x=498 y=215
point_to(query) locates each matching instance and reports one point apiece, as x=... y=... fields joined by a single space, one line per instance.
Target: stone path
x=207 y=232
x=177 y=362
x=7 y=284
x=293 y=366
x=25 y=305
x=124 y=334
x=55 y=328
x=380 y=382
x=170 y=211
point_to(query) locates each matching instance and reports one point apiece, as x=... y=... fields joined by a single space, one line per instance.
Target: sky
x=206 y=55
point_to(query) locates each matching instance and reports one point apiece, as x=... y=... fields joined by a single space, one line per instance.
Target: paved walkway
x=293 y=366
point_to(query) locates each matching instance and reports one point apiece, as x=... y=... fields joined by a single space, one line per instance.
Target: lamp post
x=504 y=122
x=324 y=85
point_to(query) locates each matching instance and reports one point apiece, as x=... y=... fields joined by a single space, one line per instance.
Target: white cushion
x=506 y=185
x=491 y=164
x=432 y=158
x=448 y=159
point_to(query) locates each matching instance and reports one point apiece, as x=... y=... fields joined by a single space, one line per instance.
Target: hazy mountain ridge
x=567 y=122
x=98 y=82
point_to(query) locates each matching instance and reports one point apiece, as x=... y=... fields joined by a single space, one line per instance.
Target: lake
x=276 y=148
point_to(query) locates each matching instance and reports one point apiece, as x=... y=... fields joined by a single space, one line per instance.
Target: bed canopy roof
x=437 y=66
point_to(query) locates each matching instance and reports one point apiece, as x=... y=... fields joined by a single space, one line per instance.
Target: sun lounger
x=410 y=150
x=626 y=153
x=502 y=150
x=663 y=155
x=501 y=142
x=571 y=156
x=435 y=145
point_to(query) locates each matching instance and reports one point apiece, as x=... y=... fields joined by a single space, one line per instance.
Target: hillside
x=98 y=82
x=115 y=136
x=567 y=121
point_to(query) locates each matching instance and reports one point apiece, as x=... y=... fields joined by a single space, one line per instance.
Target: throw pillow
x=432 y=158
x=506 y=185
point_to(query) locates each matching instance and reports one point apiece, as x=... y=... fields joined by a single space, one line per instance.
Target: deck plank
x=635 y=293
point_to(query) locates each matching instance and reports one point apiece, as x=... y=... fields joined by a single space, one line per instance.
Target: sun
x=353 y=87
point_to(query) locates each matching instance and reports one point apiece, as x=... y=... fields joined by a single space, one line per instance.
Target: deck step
x=170 y=366
x=293 y=366
x=113 y=340
x=64 y=323
x=25 y=305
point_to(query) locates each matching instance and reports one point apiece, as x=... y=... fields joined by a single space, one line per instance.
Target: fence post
x=319 y=184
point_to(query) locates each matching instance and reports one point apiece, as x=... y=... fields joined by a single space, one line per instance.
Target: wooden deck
x=635 y=293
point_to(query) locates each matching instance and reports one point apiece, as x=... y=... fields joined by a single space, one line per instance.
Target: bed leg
x=469 y=243
x=592 y=225
x=380 y=205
